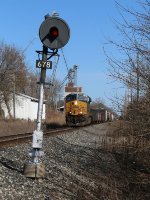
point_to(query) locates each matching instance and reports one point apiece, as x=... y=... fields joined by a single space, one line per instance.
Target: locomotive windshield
x=71 y=97
x=80 y=97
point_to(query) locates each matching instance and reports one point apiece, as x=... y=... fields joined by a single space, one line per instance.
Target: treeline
x=17 y=77
x=131 y=67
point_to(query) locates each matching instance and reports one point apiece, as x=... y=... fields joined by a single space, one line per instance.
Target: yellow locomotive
x=77 y=109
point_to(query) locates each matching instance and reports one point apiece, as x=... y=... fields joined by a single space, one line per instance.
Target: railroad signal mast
x=54 y=33
x=72 y=75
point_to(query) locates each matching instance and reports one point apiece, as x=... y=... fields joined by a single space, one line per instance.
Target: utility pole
x=137 y=77
x=136 y=70
x=14 y=98
x=131 y=88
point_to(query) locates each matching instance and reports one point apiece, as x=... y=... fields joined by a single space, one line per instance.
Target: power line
x=54 y=71
x=65 y=60
x=31 y=42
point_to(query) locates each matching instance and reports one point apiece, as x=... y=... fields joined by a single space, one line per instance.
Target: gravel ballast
x=76 y=168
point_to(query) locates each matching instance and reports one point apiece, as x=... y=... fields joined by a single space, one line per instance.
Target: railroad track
x=26 y=137
x=17 y=139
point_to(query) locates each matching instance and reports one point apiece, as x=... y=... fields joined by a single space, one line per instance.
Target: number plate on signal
x=44 y=64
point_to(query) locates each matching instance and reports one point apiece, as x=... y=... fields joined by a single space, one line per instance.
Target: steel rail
x=17 y=139
x=27 y=137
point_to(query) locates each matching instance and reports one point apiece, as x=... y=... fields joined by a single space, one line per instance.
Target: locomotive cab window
x=71 y=97
x=84 y=98
x=80 y=97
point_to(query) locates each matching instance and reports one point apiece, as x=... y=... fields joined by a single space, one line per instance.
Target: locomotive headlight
x=81 y=112
x=75 y=102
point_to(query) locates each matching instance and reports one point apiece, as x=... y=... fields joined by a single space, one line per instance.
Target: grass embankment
x=15 y=126
x=54 y=119
x=132 y=154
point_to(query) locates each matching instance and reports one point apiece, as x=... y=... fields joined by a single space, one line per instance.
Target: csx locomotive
x=78 y=111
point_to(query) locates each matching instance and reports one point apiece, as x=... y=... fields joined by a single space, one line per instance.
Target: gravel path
x=77 y=168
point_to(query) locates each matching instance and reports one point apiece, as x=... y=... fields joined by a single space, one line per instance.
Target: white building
x=23 y=107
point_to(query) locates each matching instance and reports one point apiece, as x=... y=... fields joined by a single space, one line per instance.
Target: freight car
x=79 y=113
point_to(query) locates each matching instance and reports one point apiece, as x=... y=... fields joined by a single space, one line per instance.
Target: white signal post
x=54 y=33
x=38 y=133
x=36 y=169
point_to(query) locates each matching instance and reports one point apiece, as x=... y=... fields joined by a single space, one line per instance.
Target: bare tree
x=32 y=84
x=98 y=103
x=12 y=73
x=132 y=68
x=53 y=93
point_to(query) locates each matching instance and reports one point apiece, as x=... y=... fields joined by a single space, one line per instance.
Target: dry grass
x=121 y=133
x=55 y=119
x=132 y=153
x=10 y=127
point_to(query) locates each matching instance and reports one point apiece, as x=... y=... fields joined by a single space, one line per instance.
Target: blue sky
x=90 y=22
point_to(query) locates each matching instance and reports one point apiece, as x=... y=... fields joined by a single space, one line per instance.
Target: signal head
x=54 y=32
